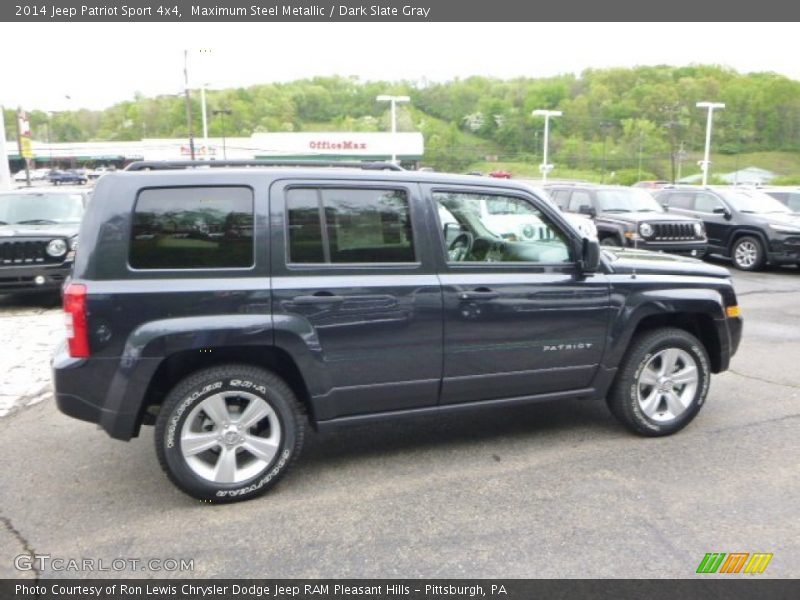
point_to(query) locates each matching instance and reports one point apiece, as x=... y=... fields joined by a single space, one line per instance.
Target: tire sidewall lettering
x=178 y=417
x=700 y=395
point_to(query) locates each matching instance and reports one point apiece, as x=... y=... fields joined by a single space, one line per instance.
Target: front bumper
x=786 y=250
x=14 y=280
x=686 y=248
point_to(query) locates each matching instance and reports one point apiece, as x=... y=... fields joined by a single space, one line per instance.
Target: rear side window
x=678 y=200
x=349 y=226
x=193 y=228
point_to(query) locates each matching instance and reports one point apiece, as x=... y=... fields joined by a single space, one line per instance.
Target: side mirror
x=665 y=205
x=721 y=210
x=590 y=256
x=585 y=209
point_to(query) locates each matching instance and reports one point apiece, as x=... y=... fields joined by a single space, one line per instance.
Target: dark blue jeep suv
x=235 y=307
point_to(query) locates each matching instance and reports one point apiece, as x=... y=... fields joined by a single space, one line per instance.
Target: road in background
x=550 y=490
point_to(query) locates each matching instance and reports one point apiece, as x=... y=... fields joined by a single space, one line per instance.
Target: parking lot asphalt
x=551 y=490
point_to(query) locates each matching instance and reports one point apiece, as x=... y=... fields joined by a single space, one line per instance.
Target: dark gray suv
x=235 y=307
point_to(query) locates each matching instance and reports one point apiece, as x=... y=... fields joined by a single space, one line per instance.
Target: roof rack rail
x=166 y=165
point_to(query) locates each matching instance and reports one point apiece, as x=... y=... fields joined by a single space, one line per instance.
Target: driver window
x=706 y=203
x=498 y=228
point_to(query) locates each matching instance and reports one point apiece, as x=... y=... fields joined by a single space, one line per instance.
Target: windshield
x=627 y=200
x=752 y=201
x=43 y=209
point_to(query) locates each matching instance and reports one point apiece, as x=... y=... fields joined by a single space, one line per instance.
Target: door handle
x=318 y=298
x=479 y=294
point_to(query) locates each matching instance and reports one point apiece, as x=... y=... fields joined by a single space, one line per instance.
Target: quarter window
x=193 y=228
x=349 y=226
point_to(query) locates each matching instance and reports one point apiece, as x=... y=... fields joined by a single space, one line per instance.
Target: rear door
x=352 y=276
x=519 y=319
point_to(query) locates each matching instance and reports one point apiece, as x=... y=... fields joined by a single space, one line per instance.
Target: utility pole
x=223 y=112
x=188 y=101
x=21 y=150
x=641 y=137
x=5 y=172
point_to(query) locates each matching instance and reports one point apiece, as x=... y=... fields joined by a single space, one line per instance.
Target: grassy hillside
x=785 y=164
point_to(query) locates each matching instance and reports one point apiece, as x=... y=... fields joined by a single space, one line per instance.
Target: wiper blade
x=616 y=210
x=38 y=222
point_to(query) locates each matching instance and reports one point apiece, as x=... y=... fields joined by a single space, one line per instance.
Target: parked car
x=583 y=223
x=651 y=185
x=790 y=196
x=62 y=177
x=235 y=307
x=20 y=176
x=38 y=237
x=745 y=225
x=97 y=172
x=627 y=216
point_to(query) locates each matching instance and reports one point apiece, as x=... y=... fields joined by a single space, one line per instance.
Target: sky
x=66 y=66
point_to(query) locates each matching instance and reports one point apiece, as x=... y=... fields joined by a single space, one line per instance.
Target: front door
x=519 y=319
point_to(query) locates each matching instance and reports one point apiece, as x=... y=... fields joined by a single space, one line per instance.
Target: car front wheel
x=229 y=433
x=610 y=241
x=662 y=382
x=748 y=254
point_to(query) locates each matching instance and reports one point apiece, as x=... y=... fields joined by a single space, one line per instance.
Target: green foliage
x=794 y=180
x=631 y=176
x=617 y=119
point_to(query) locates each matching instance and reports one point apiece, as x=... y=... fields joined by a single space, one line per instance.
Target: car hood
x=792 y=219
x=58 y=230
x=650 y=217
x=629 y=260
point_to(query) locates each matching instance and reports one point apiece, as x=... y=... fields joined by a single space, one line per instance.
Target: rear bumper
x=14 y=280
x=97 y=390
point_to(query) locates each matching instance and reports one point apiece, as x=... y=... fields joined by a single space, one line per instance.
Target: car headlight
x=73 y=242
x=699 y=230
x=646 y=230
x=56 y=248
x=784 y=228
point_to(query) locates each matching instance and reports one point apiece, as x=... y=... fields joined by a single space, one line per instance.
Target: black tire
x=624 y=397
x=231 y=379
x=611 y=240
x=748 y=254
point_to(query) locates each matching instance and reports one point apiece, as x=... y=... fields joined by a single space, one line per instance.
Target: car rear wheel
x=229 y=433
x=662 y=382
x=748 y=254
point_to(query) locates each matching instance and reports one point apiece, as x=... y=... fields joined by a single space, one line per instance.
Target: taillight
x=75 y=318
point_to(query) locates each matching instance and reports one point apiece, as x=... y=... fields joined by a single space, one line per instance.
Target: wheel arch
x=180 y=364
x=739 y=233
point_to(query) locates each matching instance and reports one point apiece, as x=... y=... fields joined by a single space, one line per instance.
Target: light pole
x=188 y=102
x=393 y=100
x=705 y=163
x=205 y=115
x=545 y=167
